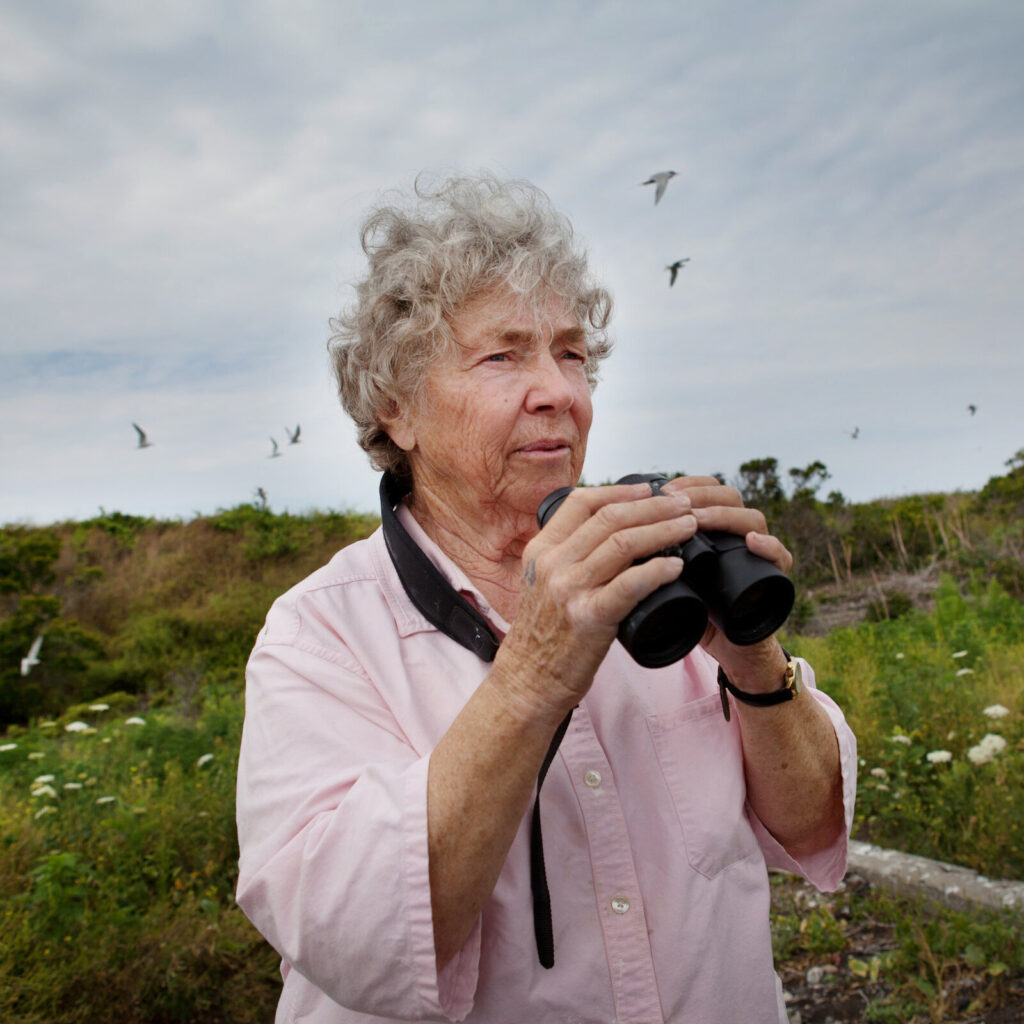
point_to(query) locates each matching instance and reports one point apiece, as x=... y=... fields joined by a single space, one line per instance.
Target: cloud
x=182 y=187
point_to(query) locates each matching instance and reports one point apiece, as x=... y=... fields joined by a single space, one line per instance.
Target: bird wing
x=660 y=190
x=142 y=433
x=673 y=270
x=33 y=651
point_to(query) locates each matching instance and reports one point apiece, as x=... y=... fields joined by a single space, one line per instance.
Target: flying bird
x=32 y=658
x=972 y=409
x=674 y=268
x=293 y=438
x=855 y=433
x=660 y=181
x=276 y=452
x=144 y=442
x=262 y=496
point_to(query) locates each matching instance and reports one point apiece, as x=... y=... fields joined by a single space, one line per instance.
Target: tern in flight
x=293 y=438
x=276 y=453
x=972 y=409
x=660 y=181
x=32 y=658
x=144 y=442
x=674 y=268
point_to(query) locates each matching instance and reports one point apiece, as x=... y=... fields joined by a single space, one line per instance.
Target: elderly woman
x=404 y=701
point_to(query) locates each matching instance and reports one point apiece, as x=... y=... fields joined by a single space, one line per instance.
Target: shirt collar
x=455 y=576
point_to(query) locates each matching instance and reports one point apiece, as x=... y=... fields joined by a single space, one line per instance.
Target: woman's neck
x=486 y=544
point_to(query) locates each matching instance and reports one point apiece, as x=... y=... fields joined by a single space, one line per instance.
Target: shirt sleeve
x=332 y=824
x=826 y=868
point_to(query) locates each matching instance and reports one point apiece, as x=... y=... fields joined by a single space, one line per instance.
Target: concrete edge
x=955 y=886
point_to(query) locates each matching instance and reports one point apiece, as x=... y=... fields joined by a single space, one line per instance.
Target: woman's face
x=505 y=414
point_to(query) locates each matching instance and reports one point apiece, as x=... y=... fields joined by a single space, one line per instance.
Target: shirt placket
x=616 y=887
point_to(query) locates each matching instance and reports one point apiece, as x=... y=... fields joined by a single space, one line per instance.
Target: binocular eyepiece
x=744 y=596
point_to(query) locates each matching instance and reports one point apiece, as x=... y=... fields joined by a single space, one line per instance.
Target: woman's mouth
x=548 y=446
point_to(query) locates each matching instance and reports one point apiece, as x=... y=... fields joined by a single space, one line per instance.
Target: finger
x=582 y=502
x=771 y=549
x=620 y=595
x=621 y=549
x=704 y=491
x=598 y=551
x=585 y=519
x=730 y=519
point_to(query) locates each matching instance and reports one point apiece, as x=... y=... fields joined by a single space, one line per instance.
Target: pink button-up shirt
x=657 y=867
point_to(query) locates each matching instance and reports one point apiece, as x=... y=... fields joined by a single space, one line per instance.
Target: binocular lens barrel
x=745 y=597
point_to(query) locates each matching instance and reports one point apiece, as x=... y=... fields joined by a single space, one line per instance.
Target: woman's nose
x=549 y=388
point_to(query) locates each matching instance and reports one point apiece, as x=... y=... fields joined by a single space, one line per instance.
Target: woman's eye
x=497 y=357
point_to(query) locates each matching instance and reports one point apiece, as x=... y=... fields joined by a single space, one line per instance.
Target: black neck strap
x=428 y=589
x=446 y=608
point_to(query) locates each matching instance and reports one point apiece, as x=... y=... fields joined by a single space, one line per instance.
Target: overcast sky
x=182 y=183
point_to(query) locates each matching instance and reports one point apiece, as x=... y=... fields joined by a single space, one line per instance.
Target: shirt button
x=592 y=778
x=620 y=904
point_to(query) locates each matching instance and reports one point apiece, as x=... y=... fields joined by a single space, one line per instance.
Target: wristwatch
x=790 y=688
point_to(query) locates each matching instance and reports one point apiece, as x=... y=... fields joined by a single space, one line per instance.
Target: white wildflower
x=995 y=711
x=72 y=785
x=205 y=759
x=959 y=654
x=879 y=773
x=135 y=720
x=900 y=738
x=900 y=656
x=36 y=755
x=41 y=780
x=965 y=671
x=8 y=746
x=882 y=787
x=49 y=724
x=939 y=756
x=76 y=727
x=48 y=809
x=106 y=799
x=990 y=745
x=99 y=707
x=44 y=791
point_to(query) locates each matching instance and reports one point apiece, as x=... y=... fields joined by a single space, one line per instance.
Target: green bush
x=119 y=872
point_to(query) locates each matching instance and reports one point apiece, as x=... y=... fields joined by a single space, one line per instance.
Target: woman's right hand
x=579 y=581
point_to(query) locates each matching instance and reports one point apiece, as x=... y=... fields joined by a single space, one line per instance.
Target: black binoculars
x=744 y=596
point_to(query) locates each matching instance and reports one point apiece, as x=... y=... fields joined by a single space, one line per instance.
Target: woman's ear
x=397 y=424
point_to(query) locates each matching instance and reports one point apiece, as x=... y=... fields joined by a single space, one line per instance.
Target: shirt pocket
x=701 y=760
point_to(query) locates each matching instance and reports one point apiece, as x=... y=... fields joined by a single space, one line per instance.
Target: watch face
x=793 y=676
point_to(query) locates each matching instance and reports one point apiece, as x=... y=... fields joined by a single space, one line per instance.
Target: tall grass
x=118 y=843
x=118 y=872
x=922 y=693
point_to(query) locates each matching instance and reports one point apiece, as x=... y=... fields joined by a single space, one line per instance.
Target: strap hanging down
x=538 y=876
x=444 y=607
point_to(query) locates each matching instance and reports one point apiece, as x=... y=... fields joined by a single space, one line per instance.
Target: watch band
x=789 y=689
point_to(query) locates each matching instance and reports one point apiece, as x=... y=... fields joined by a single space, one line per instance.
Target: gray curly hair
x=456 y=241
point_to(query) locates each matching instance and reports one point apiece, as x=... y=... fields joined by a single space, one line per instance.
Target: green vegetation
x=117 y=756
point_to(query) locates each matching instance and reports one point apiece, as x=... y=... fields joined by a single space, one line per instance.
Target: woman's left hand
x=717 y=506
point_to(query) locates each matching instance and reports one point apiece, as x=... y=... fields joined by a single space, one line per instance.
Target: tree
x=759 y=483
x=806 y=481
